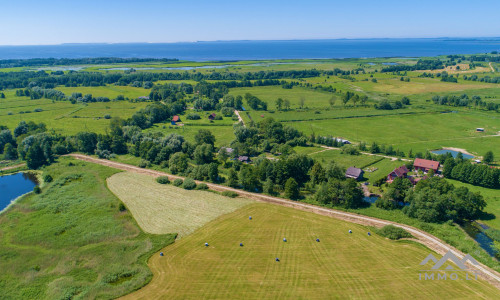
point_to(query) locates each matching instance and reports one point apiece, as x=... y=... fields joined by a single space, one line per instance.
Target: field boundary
x=423 y=237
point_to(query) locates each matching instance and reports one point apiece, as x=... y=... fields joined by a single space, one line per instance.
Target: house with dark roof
x=353 y=172
x=401 y=172
x=211 y=117
x=425 y=165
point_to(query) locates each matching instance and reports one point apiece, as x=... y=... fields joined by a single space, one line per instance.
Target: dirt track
x=12 y=167
x=423 y=237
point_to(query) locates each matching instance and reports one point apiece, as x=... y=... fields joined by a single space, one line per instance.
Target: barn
x=353 y=172
x=425 y=165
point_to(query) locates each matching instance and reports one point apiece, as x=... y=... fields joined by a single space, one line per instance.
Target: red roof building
x=425 y=165
x=176 y=119
x=398 y=172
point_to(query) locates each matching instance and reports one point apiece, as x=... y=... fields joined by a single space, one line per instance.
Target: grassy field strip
x=425 y=238
x=70 y=113
x=161 y=209
x=341 y=265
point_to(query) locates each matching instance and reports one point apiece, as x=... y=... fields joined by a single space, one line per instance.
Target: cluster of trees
x=33 y=62
x=446 y=77
x=354 y=98
x=387 y=105
x=255 y=103
x=12 y=80
x=422 y=64
x=486 y=79
x=465 y=101
x=432 y=200
x=475 y=174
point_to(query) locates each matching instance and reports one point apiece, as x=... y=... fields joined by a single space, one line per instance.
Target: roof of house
x=353 y=172
x=176 y=118
x=425 y=163
x=400 y=171
x=243 y=158
x=228 y=150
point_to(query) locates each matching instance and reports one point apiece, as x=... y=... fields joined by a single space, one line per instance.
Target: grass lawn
x=223 y=134
x=110 y=91
x=417 y=132
x=72 y=240
x=62 y=116
x=163 y=209
x=344 y=160
x=341 y=265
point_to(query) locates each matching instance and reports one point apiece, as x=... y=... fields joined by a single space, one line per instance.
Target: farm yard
x=341 y=264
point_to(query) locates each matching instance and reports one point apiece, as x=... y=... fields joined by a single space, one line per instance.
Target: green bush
x=143 y=163
x=230 y=194
x=122 y=207
x=202 y=186
x=189 y=184
x=178 y=182
x=163 y=180
x=393 y=232
x=37 y=189
x=47 y=178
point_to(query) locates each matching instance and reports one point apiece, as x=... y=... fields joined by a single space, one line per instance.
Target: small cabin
x=244 y=159
x=212 y=116
x=353 y=172
x=175 y=119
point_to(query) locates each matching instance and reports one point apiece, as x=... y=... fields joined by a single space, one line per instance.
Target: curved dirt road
x=423 y=237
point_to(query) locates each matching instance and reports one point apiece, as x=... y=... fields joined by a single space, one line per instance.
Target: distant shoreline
x=262 y=50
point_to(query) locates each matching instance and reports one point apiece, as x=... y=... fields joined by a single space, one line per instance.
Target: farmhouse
x=175 y=119
x=244 y=159
x=401 y=172
x=425 y=165
x=228 y=150
x=211 y=117
x=353 y=172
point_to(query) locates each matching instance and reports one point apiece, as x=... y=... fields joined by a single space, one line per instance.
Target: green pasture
x=72 y=240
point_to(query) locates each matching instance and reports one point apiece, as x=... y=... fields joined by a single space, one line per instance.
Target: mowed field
x=418 y=132
x=162 y=209
x=341 y=265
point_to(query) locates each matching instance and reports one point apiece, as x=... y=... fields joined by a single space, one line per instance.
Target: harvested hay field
x=340 y=266
x=163 y=209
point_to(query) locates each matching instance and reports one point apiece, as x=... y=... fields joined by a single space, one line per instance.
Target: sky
x=34 y=22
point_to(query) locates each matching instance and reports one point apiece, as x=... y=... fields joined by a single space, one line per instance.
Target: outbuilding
x=353 y=172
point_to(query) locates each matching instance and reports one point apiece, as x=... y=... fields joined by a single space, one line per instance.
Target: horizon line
x=258 y=40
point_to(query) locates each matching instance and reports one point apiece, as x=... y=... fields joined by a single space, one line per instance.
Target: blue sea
x=259 y=50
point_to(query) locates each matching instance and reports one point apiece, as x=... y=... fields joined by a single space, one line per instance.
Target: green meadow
x=73 y=240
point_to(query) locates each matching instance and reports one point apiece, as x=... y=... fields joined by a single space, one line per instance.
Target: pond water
x=370 y=199
x=13 y=186
x=453 y=153
x=475 y=232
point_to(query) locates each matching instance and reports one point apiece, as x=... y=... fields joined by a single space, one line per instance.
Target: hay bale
x=369 y=234
x=241 y=244
x=284 y=240
x=206 y=244
x=277 y=259
x=250 y=217
x=317 y=240
x=350 y=231
x=161 y=253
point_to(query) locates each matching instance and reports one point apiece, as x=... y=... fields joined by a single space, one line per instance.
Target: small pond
x=475 y=232
x=13 y=186
x=453 y=153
